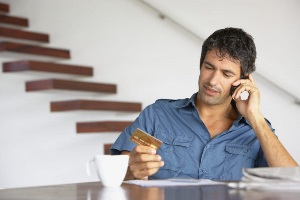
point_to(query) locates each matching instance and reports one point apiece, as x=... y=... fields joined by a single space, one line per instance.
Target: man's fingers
x=140 y=170
x=144 y=173
x=144 y=162
x=251 y=78
x=145 y=166
x=138 y=158
x=141 y=149
x=244 y=88
x=247 y=85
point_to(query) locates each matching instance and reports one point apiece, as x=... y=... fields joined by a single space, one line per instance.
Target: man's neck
x=224 y=110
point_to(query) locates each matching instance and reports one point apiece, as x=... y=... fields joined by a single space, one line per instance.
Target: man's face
x=216 y=76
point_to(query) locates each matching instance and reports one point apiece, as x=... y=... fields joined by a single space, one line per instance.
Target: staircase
x=10 y=30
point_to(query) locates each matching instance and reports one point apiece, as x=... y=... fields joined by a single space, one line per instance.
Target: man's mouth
x=210 y=91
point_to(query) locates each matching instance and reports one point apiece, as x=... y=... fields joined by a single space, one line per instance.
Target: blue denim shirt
x=188 y=151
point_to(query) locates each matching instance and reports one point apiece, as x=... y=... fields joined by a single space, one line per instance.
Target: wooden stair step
x=106 y=149
x=25 y=35
x=103 y=126
x=12 y=20
x=70 y=85
x=29 y=65
x=33 y=49
x=4 y=7
x=95 y=105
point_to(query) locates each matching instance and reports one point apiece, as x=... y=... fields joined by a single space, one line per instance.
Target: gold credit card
x=143 y=138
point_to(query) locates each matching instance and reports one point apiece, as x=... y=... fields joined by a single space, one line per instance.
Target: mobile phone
x=232 y=89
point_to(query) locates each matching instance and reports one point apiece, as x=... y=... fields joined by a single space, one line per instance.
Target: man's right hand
x=143 y=162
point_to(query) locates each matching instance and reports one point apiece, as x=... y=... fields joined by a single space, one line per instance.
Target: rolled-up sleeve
x=143 y=122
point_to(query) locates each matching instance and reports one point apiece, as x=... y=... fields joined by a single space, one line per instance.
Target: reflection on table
x=95 y=191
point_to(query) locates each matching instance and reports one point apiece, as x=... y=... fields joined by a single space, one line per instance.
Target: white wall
x=127 y=44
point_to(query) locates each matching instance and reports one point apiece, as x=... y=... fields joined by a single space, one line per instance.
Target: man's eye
x=228 y=75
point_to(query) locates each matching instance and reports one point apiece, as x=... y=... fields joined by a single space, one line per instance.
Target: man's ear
x=245 y=76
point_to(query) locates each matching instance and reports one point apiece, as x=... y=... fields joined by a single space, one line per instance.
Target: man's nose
x=214 y=78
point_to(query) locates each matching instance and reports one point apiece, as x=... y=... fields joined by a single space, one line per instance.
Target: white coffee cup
x=111 y=169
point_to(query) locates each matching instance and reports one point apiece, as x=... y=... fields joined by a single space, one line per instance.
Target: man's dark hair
x=236 y=44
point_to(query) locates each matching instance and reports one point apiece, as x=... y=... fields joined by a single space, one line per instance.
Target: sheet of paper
x=173 y=182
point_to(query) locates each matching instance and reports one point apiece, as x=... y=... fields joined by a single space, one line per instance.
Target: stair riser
x=4 y=7
x=36 y=50
x=95 y=105
x=70 y=85
x=92 y=127
x=46 y=67
x=25 y=35
x=16 y=21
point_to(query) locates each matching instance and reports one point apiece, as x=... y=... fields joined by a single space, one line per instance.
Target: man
x=213 y=134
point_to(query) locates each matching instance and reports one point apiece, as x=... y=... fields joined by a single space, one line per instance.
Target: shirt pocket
x=174 y=152
x=238 y=156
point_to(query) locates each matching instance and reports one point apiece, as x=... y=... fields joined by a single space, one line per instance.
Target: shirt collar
x=191 y=101
x=187 y=102
x=241 y=119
